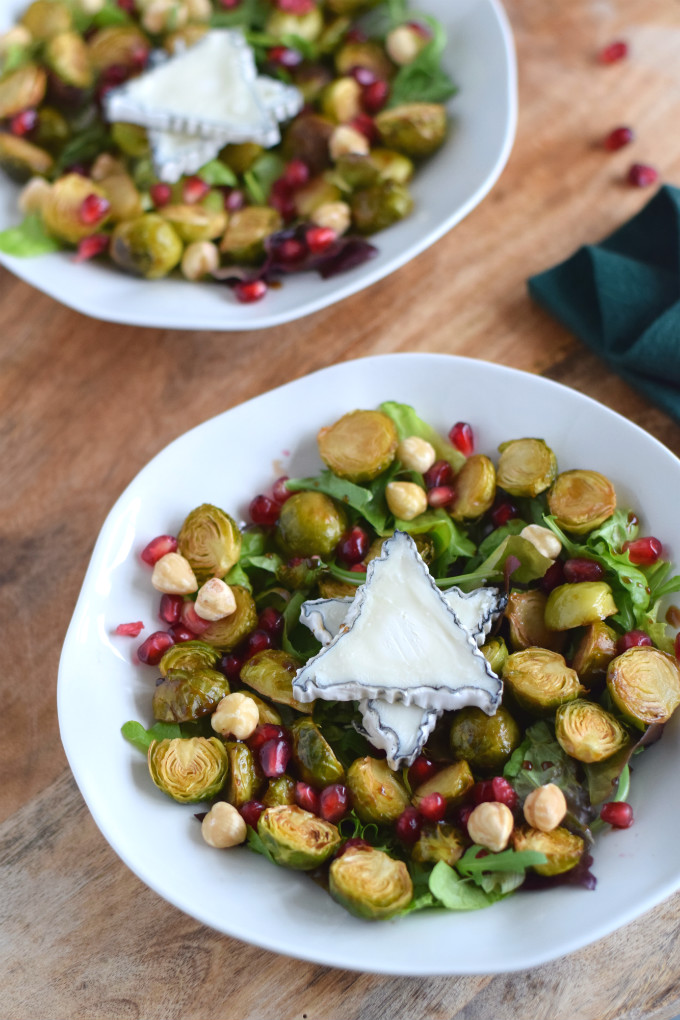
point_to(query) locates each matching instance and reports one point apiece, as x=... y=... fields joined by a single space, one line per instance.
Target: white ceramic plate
x=480 y=56
x=226 y=461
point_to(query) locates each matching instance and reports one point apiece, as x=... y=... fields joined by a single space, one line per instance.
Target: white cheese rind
x=399 y=730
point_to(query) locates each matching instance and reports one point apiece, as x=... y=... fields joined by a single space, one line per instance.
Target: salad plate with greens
x=198 y=164
x=391 y=686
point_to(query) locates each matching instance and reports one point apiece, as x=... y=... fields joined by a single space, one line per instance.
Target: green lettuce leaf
x=28 y=239
x=216 y=173
x=456 y=893
x=143 y=738
x=424 y=80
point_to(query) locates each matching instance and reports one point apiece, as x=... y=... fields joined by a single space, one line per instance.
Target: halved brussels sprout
x=475 y=487
x=378 y=207
x=61 y=208
x=484 y=741
x=45 y=18
x=52 y=129
x=226 y=633
x=453 y=782
x=578 y=604
x=585 y=731
x=361 y=53
x=147 y=246
x=132 y=139
x=594 y=652
x=195 y=222
x=540 y=680
x=184 y=695
x=67 y=55
x=245 y=778
x=247 y=231
x=188 y=656
x=526 y=467
x=210 y=539
x=240 y=156
x=440 y=842
x=315 y=193
x=309 y=524
x=341 y=99
x=117 y=44
x=22 y=160
x=495 y=651
x=267 y=713
x=307 y=26
x=416 y=129
x=369 y=883
x=392 y=166
x=378 y=794
x=271 y=674
x=279 y=791
x=562 y=848
x=644 y=684
x=332 y=588
x=359 y=446
x=525 y=613
x=313 y=756
x=354 y=171
x=307 y=138
x=125 y=200
x=296 y=838
x=581 y=500
x=188 y=769
x=22 y=89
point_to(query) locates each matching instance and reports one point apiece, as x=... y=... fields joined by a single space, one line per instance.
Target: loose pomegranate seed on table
x=152 y=650
x=353 y=546
x=264 y=510
x=632 y=639
x=247 y=293
x=170 y=608
x=409 y=825
x=582 y=569
x=130 y=629
x=334 y=802
x=617 y=138
x=274 y=757
x=158 y=547
x=613 y=52
x=641 y=175
x=617 y=813
x=93 y=209
x=307 y=797
x=643 y=551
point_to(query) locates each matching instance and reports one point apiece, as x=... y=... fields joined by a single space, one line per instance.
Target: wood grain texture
x=85 y=405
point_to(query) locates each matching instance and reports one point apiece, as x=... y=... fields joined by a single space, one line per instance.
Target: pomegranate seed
x=334 y=802
x=463 y=816
x=409 y=825
x=90 y=247
x=250 y=812
x=355 y=843
x=281 y=198
x=582 y=569
x=230 y=5
x=422 y=30
x=441 y=495
x=194 y=189
x=353 y=546
x=274 y=757
x=617 y=138
x=307 y=797
x=421 y=770
x=676 y=646
x=290 y=251
x=614 y=51
x=441 y=473
x=642 y=176
x=126 y=5
x=296 y=173
x=247 y=293
x=116 y=74
x=271 y=621
x=504 y=512
x=234 y=199
x=553 y=577
x=358 y=568
x=158 y=547
x=21 y=123
x=643 y=551
x=284 y=56
x=170 y=608
x=356 y=34
x=264 y=510
x=432 y=807
x=374 y=97
x=180 y=633
x=617 y=813
x=462 y=437
x=130 y=629
x=190 y=619
x=151 y=651
x=161 y=194
x=364 y=76
x=295 y=6
x=280 y=491
x=93 y=209
x=257 y=641
x=319 y=239
x=264 y=733
x=496 y=789
x=139 y=58
x=365 y=125
x=230 y=664
x=633 y=639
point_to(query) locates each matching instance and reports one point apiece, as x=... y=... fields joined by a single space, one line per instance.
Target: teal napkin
x=621 y=297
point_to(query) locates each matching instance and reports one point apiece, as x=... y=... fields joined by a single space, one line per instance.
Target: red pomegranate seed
x=250 y=812
x=274 y=757
x=432 y=807
x=617 y=138
x=356 y=34
x=296 y=173
x=257 y=641
x=633 y=639
x=353 y=546
x=170 y=608
x=247 y=293
x=21 y=123
x=180 y=633
x=441 y=473
x=264 y=733
x=581 y=569
x=161 y=194
x=422 y=30
x=190 y=619
x=284 y=56
x=409 y=825
x=307 y=797
x=295 y=6
x=365 y=125
x=364 y=76
x=421 y=770
x=374 y=97
x=290 y=251
x=463 y=816
x=462 y=437
x=158 y=547
x=230 y=664
x=271 y=621
x=355 y=843
x=616 y=50
x=553 y=577
x=617 y=813
x=676 y=646
x=334 y=802
x=234 y=199
x=643 y=551
x=93 y=209
x=151 y=651
x=441 y=495
x=194 y=189
x=280 y=491
x=126 y=5
x=264 y=510
x=504 y=512
x=281 y=198
x=358 y=568
x=496 y=789
x=130 y=629
x=641 y=175
x=90 y=247
x=319 y=239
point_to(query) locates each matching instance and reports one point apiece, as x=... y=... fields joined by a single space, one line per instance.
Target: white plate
x=480 y=56
x=226 y=461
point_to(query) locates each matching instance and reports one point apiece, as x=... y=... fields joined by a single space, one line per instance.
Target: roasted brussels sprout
x=279 y=791
x=416 y=129
x=440 y=842
x=188 y=769
x=307 y=138
x=392 y=166
x=210 y=539
x=362 y=53
x=341 y=99
x=52 y=130
x=271 y=674
x=247 y=231
x=359 y=446
x=495 y=651
x=313 y=756
x=581 y=500
x=644 y=684
x=475 y=488
x=124 y=199
x=22 y=160
x=526 y=467
x=195 y=222
x=307 y=26
x=117 y=45
x=230 y=630
x=132 y=139
x=240 y=156
x=594 y=652
x=296 y=838
x=562 y=848
x=68 y=57
x=148 y=246
x=267 y=712
x=61 y=209
x=22 y=89
x=369 y=883
x=45 y=18
x=578 y=604
x=332 y=588
x=188 y=656
x=525 y=613
x=310 y=523
x=453 y=782
x=540 y=680
x=314 y=194
x=184 y=695
x=378 y=207
x=378 y=794
x=245 y=779
x=485 y=742
x=585 y=731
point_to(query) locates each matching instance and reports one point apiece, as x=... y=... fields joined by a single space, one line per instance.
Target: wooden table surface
x=84 y=407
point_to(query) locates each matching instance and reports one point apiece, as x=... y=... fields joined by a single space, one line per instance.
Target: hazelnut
x=404 y=43
x=543 y=539
x=223 y=826
x=416 y=454
x=347 y=141
x=163 y=15
x=198 y=10
x=106 y=165
x=33 y=195
x=406 y=500
x=215 y=600
x=172 y=574
x=200 y=258
x=490 y=825
x=336 y=215
x=236 y=715
x=545 y=807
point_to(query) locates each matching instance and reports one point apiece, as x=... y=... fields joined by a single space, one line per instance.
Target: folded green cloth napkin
x=621 y=297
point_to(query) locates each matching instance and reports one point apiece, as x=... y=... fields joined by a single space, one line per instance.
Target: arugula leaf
x=238 y=576
x=532 y=565
x=254 y=841
x=408 y=423
x=424 y=80
x=28 y=239
x=457 y=893
x=249 y=14
x=369 y=502
x=84 y=146
x=216 y=173
x=514 y=861
x=142 y=738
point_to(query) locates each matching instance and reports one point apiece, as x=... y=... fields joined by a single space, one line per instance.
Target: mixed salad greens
x=484 y=803
x=373 y=87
